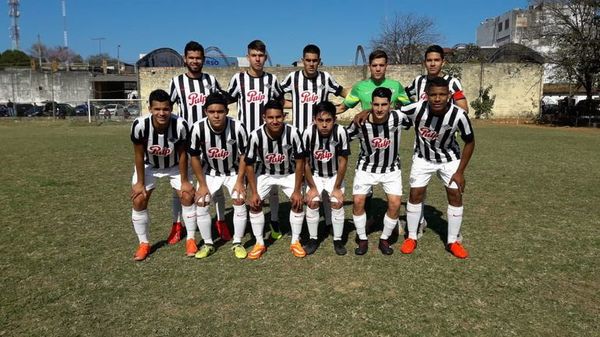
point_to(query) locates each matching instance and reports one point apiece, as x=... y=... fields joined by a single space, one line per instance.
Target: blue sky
x=139 y=26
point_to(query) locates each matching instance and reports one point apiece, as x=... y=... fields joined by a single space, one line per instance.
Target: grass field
x=532 y=226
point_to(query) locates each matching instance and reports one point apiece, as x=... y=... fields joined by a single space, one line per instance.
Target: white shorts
x=364 y=182
x=326 y=184
x=151 y=174
x=422 y=169
x=214 y=183
x=265 y=182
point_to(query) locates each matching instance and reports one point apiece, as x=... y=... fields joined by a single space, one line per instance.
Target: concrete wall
x=517 y=86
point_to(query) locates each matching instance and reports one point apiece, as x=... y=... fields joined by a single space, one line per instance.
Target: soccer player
x=276 y=149
x=378 y=163
x=189 y=92
x=253 y=89
x=436 y=121
x=327 y=149
x=159 y=144
x=221 y=141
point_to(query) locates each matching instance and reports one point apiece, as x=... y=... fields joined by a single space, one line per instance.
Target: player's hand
x=202 y=196
x=296 y=199
x=311 y=194
x=239 y=189
x=339 y=196
x=186 y=186
x=138 y=189
x=361 y=117
x=459 y=179
x=254 y=202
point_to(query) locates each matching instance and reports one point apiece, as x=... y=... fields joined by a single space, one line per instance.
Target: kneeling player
x=436 y=151
x=159 y=143
x=222 y=141
x=326 y=145
x=276 y=148
x=378 y=163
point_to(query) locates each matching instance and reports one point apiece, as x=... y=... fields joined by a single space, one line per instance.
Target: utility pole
x=118 y=60
x=99 y=39
x=40 y=51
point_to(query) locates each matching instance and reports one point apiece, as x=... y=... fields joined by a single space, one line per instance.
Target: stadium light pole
x=118 y=60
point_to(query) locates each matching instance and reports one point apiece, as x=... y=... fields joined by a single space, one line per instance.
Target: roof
x=161 y=57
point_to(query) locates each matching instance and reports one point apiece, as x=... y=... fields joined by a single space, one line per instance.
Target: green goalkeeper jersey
x=362 y=91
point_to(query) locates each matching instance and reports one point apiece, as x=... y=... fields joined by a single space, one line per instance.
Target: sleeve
x=299 y=152
x=182 y=131
x=456 y=90
x=174 y=93
x=250 y=157
x=344 y=143
x=234 y=87
x=404 y=120
x=465 y=128
x=217 y=86
x=402 y=96
x=306 y=140
x=277 y=92
x=353 y=97
x=242 y=138
x=352 y=131
x=194 y=148
x=137 y=131
x=411 y=90
x=333 y=86
x=286 y=85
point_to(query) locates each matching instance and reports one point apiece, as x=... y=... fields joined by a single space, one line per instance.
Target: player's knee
x=358 y=205
x=140 y=203
x=256 y=210
x=416 y=195
x=454 y=197
x=237 y=202
x=313 y=205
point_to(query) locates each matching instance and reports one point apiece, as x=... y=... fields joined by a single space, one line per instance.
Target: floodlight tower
x=64 y=14
x=13 y=13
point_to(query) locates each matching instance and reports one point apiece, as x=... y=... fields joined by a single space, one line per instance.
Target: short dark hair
x=311 y=48
x=257 y=45
x=435 y=49
x=215 y=98
x=193 y=46
x=436 y=82
x=377 y=54
x=383 y=93
x=159 y=95
x=272 y=104
x=325 y=106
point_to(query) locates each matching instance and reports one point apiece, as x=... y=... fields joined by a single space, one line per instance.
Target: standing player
x=159 y=143
x=327 y=148
x=253 y=89
x=378 y=163
x=276 y=148
x=189 y=91
x=436 y=121
x=221 y=141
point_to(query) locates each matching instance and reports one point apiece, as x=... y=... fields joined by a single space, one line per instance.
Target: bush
x=484 y=104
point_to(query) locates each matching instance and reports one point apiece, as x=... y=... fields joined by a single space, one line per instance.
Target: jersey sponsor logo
x=157 y=150
x=195 y=98
x=380 y=143
x=217 y=153
x=275 y=158
x=255 y=96
x=308 y=97
x=323 y=155
x=428 y=133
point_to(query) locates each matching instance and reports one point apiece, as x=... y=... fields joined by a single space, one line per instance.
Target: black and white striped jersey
x=160 y=148
x=306 y=93
x=322 y=152
x=416 y=90
x=252 y=93
x=434 y=136
x=274 y=156
x=221 y=150
x=379 y=143
x=190 y=94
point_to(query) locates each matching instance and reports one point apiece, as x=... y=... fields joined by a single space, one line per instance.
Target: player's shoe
x=422 y=227
x=311 y=246
x=205 y=251
x=239 y=251
x=297 y=250
x=275 y=230
x=363 y=247
x=223 y=230
x=142 y=252
x=338 y=247
x=176 y=233
x=408 y=246
x=190 y=247
x=257 y=251
x=458 y=250
x=384 y=247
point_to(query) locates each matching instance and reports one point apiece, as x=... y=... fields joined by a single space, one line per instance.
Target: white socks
x=312 y=222
x=141 y=222
x=413 y=216
x=239 y=222
x=257 y=221
x=360 y=222
x=296 y=220
x=337 y=220
x=204 y=225
x=455 y=215
x=188 y=213
x=389 y=225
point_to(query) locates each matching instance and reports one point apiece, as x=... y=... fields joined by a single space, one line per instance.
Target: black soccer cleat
x=363 y=247
x=311 y=246
x=339 y=248
x=384 y=247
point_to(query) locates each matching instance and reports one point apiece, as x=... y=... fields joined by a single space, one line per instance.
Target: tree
x=405 y=37
x=96 y=60
x=14 y=58
x=59 y=54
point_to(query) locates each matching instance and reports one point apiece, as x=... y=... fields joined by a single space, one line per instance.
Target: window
x=500 y=27
x=506 y=24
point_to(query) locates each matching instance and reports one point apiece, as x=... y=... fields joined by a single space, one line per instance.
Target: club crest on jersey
x=217 y=153
x=323 y=155
x=428 y=133
x=195 y=98
x=231 y=141
x=275 y=158
x=380 y=143
x=157 y=150
x=308 y=97
x=172 y=140
x=255 y=96
x=287 y=146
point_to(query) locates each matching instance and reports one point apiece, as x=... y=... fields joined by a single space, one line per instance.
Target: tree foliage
x=59 y=54
x=14 y=58
x=96 y=60
x=484 y=104
x=405 y=37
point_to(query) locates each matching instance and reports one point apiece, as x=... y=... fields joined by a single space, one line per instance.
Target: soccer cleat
x=239 y=251
x=422 y=227
x=205 y=251
x=311 y=246
x=275 y=231
x=339 y=248
x=458 y=250
x=384 y=247
x=142 y=252
x=408 y=246
x=223 y=230
x=363 y=247
x=257 y=251
x=297 y=250
x=175 y=235
x=190 y=247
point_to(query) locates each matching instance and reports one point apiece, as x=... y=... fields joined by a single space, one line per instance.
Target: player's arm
x=287 y=104
x=310 y=182
x=458 y=95
x=296 y=197
x=202 y=192
x=186 y=186
x=140 y=186
x=239 y=187
x=462 y=103
x=350 y=101
x=466 y=133
x=341 y=173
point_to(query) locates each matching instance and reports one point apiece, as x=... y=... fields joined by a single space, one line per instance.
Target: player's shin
x=239 y=222
x=204 y=224
x=360 y=222
x=188 y=214
x=312 y=222
x=296 y=220
x=337 y=220
x=389 y=225
x=257 y=221
x=141 y=222
x=413 y=216
x=455 y=215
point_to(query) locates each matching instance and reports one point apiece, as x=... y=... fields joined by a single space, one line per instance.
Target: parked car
x=133 y=110
x=37 y=111
x=4 y=111
x=64 y=109
x=113 y=110
x=82 y=110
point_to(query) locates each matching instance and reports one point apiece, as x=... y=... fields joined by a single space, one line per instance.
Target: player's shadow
x=435 y=223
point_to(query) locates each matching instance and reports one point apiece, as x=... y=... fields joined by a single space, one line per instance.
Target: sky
x=140 y=26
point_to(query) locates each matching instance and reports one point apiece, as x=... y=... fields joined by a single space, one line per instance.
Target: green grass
x=532 y=226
